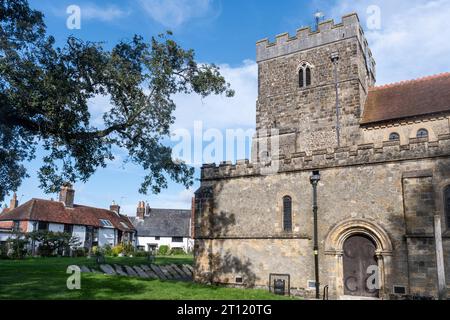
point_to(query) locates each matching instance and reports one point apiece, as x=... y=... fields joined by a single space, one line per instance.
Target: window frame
x=43 y=223
x=287 y=216
x=177 y=238
x=304 y=74
x=447 y=205
x=396 y=134
x=419 y=136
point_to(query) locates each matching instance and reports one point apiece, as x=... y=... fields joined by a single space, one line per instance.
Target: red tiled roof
x=56 y=212
x=424 y=96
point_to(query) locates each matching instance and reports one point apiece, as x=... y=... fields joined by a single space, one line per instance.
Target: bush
x=140 y=254
x=163 y=250
x=115 y=251
x=177 y=251
x=80 y=252
x=128 y=249
x=107 y=250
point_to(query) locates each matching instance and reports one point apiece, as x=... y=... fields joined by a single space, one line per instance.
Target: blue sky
x=409 y=43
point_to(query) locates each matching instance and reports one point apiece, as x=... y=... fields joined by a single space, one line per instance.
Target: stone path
x=152 y=271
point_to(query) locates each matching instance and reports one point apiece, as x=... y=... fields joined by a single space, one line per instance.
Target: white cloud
x=173 y=13
x=93 y=12
x=411 y=42
x=219 y=111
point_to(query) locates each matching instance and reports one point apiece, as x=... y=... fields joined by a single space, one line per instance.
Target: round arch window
x=422 y=133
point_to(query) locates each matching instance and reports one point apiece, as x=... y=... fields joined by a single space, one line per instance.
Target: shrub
x=16 y=246
x=177 y=252
x=140 y=254
x=128 y=249
x=116 y=250
x=80 y=252
x=163 y=250
x=107 y=250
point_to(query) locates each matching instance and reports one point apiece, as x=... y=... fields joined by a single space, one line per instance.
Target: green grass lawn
x=45 y=278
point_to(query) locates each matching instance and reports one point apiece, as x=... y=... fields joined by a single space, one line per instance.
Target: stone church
x=383 y=199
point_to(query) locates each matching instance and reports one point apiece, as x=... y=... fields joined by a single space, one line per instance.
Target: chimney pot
x=140 y=212
x=114 y=207
x=67 y=195
x=14 y=203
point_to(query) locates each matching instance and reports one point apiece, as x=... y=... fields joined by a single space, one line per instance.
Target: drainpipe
x=335 y=61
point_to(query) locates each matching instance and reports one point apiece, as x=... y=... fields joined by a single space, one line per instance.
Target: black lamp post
x=314 y=179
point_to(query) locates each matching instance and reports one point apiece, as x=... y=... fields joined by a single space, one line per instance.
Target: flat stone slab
x=85 y=269
x=130 y=271
x=187 y=270
x=120 y=271
x=149 y=272
x=158 y=272
x=140 y=272
x=190 y=268
x=166 y=273
x=173 y=272
x=180 y=272
x=184 y=275
x=106 y=268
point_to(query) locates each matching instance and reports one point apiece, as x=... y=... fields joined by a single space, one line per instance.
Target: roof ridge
x=405 y=82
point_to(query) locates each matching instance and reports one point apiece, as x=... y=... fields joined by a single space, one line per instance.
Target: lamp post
x=314 y=179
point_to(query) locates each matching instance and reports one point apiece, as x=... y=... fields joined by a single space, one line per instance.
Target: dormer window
x=304 y=75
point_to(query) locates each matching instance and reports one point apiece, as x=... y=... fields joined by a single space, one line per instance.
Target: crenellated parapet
x=305 y=38
x=367 y=154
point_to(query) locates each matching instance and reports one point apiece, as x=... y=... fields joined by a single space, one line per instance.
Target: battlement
x=389 y=151
x=328 y=32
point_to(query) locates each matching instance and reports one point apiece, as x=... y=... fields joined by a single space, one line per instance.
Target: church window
x=422 y=133
x=394 y=137
x=308 y=76
x=447 y=205
x=287 y=214
x=304 y=76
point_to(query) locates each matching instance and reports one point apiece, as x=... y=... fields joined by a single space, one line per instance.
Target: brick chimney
x=14 y=203
x=140 y=212
x=114 y=207
x=67 y=195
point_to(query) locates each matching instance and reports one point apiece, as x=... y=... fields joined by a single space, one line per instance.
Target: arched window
x=304 y=76
x=308 y=76
x=447 y=205
x=394 y=137
x=301 y=79
x=422 y=133
x=287 y=214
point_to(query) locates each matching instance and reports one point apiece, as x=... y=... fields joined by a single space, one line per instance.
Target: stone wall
x=245 y=220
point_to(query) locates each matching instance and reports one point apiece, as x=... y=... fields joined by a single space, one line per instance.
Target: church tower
x=312 y=87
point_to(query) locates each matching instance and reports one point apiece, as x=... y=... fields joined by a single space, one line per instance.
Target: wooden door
x=359 y=255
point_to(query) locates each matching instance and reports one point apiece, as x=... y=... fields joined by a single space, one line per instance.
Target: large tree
x=45 y=91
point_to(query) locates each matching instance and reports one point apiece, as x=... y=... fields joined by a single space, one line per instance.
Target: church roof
x=420 y=97
x=56 y=212
x=164 y=223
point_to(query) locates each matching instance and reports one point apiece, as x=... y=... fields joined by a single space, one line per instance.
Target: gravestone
x=106 y=268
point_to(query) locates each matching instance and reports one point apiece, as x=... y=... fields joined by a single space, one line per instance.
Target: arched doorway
x=360 y=264
x=374 y=237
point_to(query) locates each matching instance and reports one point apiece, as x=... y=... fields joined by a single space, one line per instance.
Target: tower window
x=308 y=76
x=301 y=78
x=287 y=214
x=447 y=205
x=394 y=137
x=304 y=76
x=422 y=133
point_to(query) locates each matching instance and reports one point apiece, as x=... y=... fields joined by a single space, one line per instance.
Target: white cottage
x=92 y=226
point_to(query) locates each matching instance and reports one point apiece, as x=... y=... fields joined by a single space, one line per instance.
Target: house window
x=422 y=133
x=287 y=214
x=447 y=205
x=16 y=226
x=68 y=228
x=157 y=238
x=43 y=226
x=177 y=239
x=304 y=76
x=394 y=137
x=106 y=223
